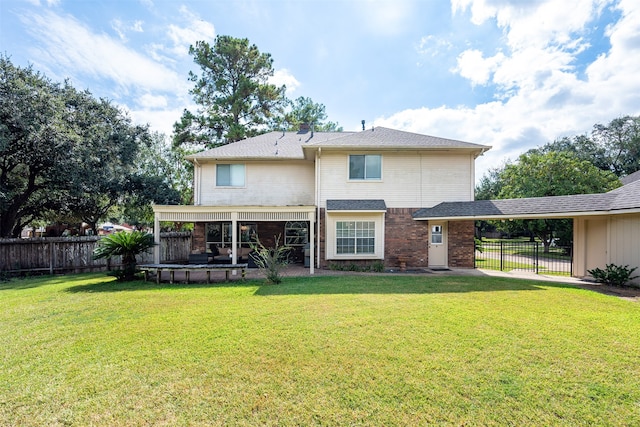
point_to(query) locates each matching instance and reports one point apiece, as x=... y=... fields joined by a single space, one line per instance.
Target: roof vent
x=362 y=124
x=304 y=127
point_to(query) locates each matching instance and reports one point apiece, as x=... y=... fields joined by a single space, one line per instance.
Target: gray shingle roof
x=630 y=178
x=272 y=145
x=290 y=145
x=381 y=137
x=623 y=198
x=356 y=205
x=627 y=196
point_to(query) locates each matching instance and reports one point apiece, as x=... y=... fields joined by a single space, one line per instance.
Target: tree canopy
x=236 y=100
x=613 y=147
x=553 y=174
x=63 y=153
x=578 y=165
x=304 y=110
x=233 y=92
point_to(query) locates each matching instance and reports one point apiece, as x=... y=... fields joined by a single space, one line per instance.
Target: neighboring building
x=351 y=195
x=606 y=226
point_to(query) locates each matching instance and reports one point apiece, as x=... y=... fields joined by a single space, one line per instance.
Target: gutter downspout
x=196 y=182
x=318 y=218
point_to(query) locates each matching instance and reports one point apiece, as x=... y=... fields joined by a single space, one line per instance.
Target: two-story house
x=336 y=197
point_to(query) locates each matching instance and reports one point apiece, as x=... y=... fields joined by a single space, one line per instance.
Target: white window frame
x=237 y=172
x=333 y=217
x=356 y=233
x=366 y=177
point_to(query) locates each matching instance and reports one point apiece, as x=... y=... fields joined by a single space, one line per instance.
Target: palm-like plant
x=126 y=244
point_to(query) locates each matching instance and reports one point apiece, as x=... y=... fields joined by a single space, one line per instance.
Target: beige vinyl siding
x=599 y=241
x=625 y=241
x=288 y=183
x=409 y=179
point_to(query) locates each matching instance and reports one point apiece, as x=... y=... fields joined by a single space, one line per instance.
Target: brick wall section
x=461 y=244
x=405 y=237
x=198 y=239
x=321 y=236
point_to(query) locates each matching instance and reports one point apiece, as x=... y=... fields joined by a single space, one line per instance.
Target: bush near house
x=614 y=275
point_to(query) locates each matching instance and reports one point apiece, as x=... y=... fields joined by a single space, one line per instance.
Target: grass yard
x=342 y=350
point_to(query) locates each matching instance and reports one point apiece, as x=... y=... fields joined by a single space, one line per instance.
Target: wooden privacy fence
x=75 y=254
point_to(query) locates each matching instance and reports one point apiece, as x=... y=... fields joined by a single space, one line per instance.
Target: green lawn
x=345 y=350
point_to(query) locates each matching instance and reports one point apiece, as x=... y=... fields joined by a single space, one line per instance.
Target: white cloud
x=540 y=95
x=473 y=66
x=122 y=28
x=72 y=48
x=158 y=120
x=284 y=77
x=193 y=30
x=433 y=46
x=38 y=3
x=152 y=101
x=384 y=17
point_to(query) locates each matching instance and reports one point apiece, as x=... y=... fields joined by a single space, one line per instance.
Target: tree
x=582 y=147
x=125 y=244
x=63 y=153
x=614 y=147
x=621 y=140
x=235 y=98
x=35 y=142
x=552 y=174
x=490 y=184
x=162 y=176
x=304 y=110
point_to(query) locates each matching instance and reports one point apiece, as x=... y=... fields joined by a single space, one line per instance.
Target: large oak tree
x=63 y=153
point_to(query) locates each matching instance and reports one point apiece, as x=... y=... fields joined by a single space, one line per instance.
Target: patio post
x=312 y=259
x=156 y=238
x=234 y=239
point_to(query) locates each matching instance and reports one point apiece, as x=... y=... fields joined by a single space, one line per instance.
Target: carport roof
x=621 y=200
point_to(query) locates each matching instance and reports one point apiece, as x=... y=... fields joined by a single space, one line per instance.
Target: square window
x=229 y=175
x=365 y=166
x=355 y=237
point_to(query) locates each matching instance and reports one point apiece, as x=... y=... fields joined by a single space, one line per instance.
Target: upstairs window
x=229 y=175
x=365 y=166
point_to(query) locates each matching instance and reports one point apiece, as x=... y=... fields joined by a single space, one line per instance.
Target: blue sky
x=513 y=74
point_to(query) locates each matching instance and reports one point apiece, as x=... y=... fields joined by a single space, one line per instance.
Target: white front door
x=438 y=244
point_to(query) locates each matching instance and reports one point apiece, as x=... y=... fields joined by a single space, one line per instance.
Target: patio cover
x=234 y=214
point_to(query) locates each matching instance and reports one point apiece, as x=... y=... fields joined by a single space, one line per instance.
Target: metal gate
x=525 y=256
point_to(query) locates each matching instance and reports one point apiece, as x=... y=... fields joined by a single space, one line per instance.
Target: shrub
x=128 y=245
x=378 y=267
x=270 y=261
x=614 y=275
